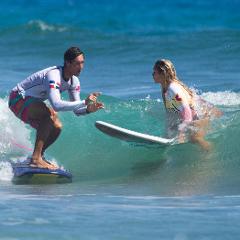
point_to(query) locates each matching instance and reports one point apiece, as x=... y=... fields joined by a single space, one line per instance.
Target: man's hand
x=93 y=107
x=92 y=98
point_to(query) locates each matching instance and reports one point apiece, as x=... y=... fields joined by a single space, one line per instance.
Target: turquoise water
x=122 y=190
x=101 y=213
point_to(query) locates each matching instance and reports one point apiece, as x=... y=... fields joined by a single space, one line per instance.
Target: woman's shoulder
x=175 y=87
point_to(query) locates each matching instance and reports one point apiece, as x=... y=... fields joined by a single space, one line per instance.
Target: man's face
x=76 y=65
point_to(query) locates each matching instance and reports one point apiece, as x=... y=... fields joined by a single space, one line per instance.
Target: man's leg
x=54 y=134
x=51 y=139
x=38 y=111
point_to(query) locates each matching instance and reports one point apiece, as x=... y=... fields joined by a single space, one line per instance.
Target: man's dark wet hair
x=72 y=53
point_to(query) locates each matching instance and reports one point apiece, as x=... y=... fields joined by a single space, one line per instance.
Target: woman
x=187 y=114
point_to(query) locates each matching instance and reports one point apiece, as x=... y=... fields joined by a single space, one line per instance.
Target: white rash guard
x=49 y=84
x=179 y=107
x=182 y=109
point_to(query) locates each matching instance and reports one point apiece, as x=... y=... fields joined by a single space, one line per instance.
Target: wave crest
x=43 y=26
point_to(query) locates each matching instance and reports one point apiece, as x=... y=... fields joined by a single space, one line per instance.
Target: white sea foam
x=14 y=135
x=46 y=27
x=225 y=98
x=6 y=172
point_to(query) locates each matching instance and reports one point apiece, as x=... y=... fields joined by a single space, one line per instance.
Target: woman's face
x=158 y=77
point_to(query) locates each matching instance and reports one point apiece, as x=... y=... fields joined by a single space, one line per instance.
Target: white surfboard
x=131 y=136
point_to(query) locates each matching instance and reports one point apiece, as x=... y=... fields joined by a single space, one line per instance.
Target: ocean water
x=122 y=190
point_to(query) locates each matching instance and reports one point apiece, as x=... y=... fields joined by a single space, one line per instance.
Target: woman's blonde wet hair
x=166 y=67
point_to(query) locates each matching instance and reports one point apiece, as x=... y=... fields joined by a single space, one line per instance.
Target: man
x=26 y=100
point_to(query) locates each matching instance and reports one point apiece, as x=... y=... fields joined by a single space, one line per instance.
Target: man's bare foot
x=45 y=160
x=40 y=163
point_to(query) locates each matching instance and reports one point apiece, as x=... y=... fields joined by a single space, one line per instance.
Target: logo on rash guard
x=53 y=84
x=178 y=98
x=77 y=88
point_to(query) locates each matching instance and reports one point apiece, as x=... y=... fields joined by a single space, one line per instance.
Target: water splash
x=225 y=98
x=14 y=135
x=6 y=172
